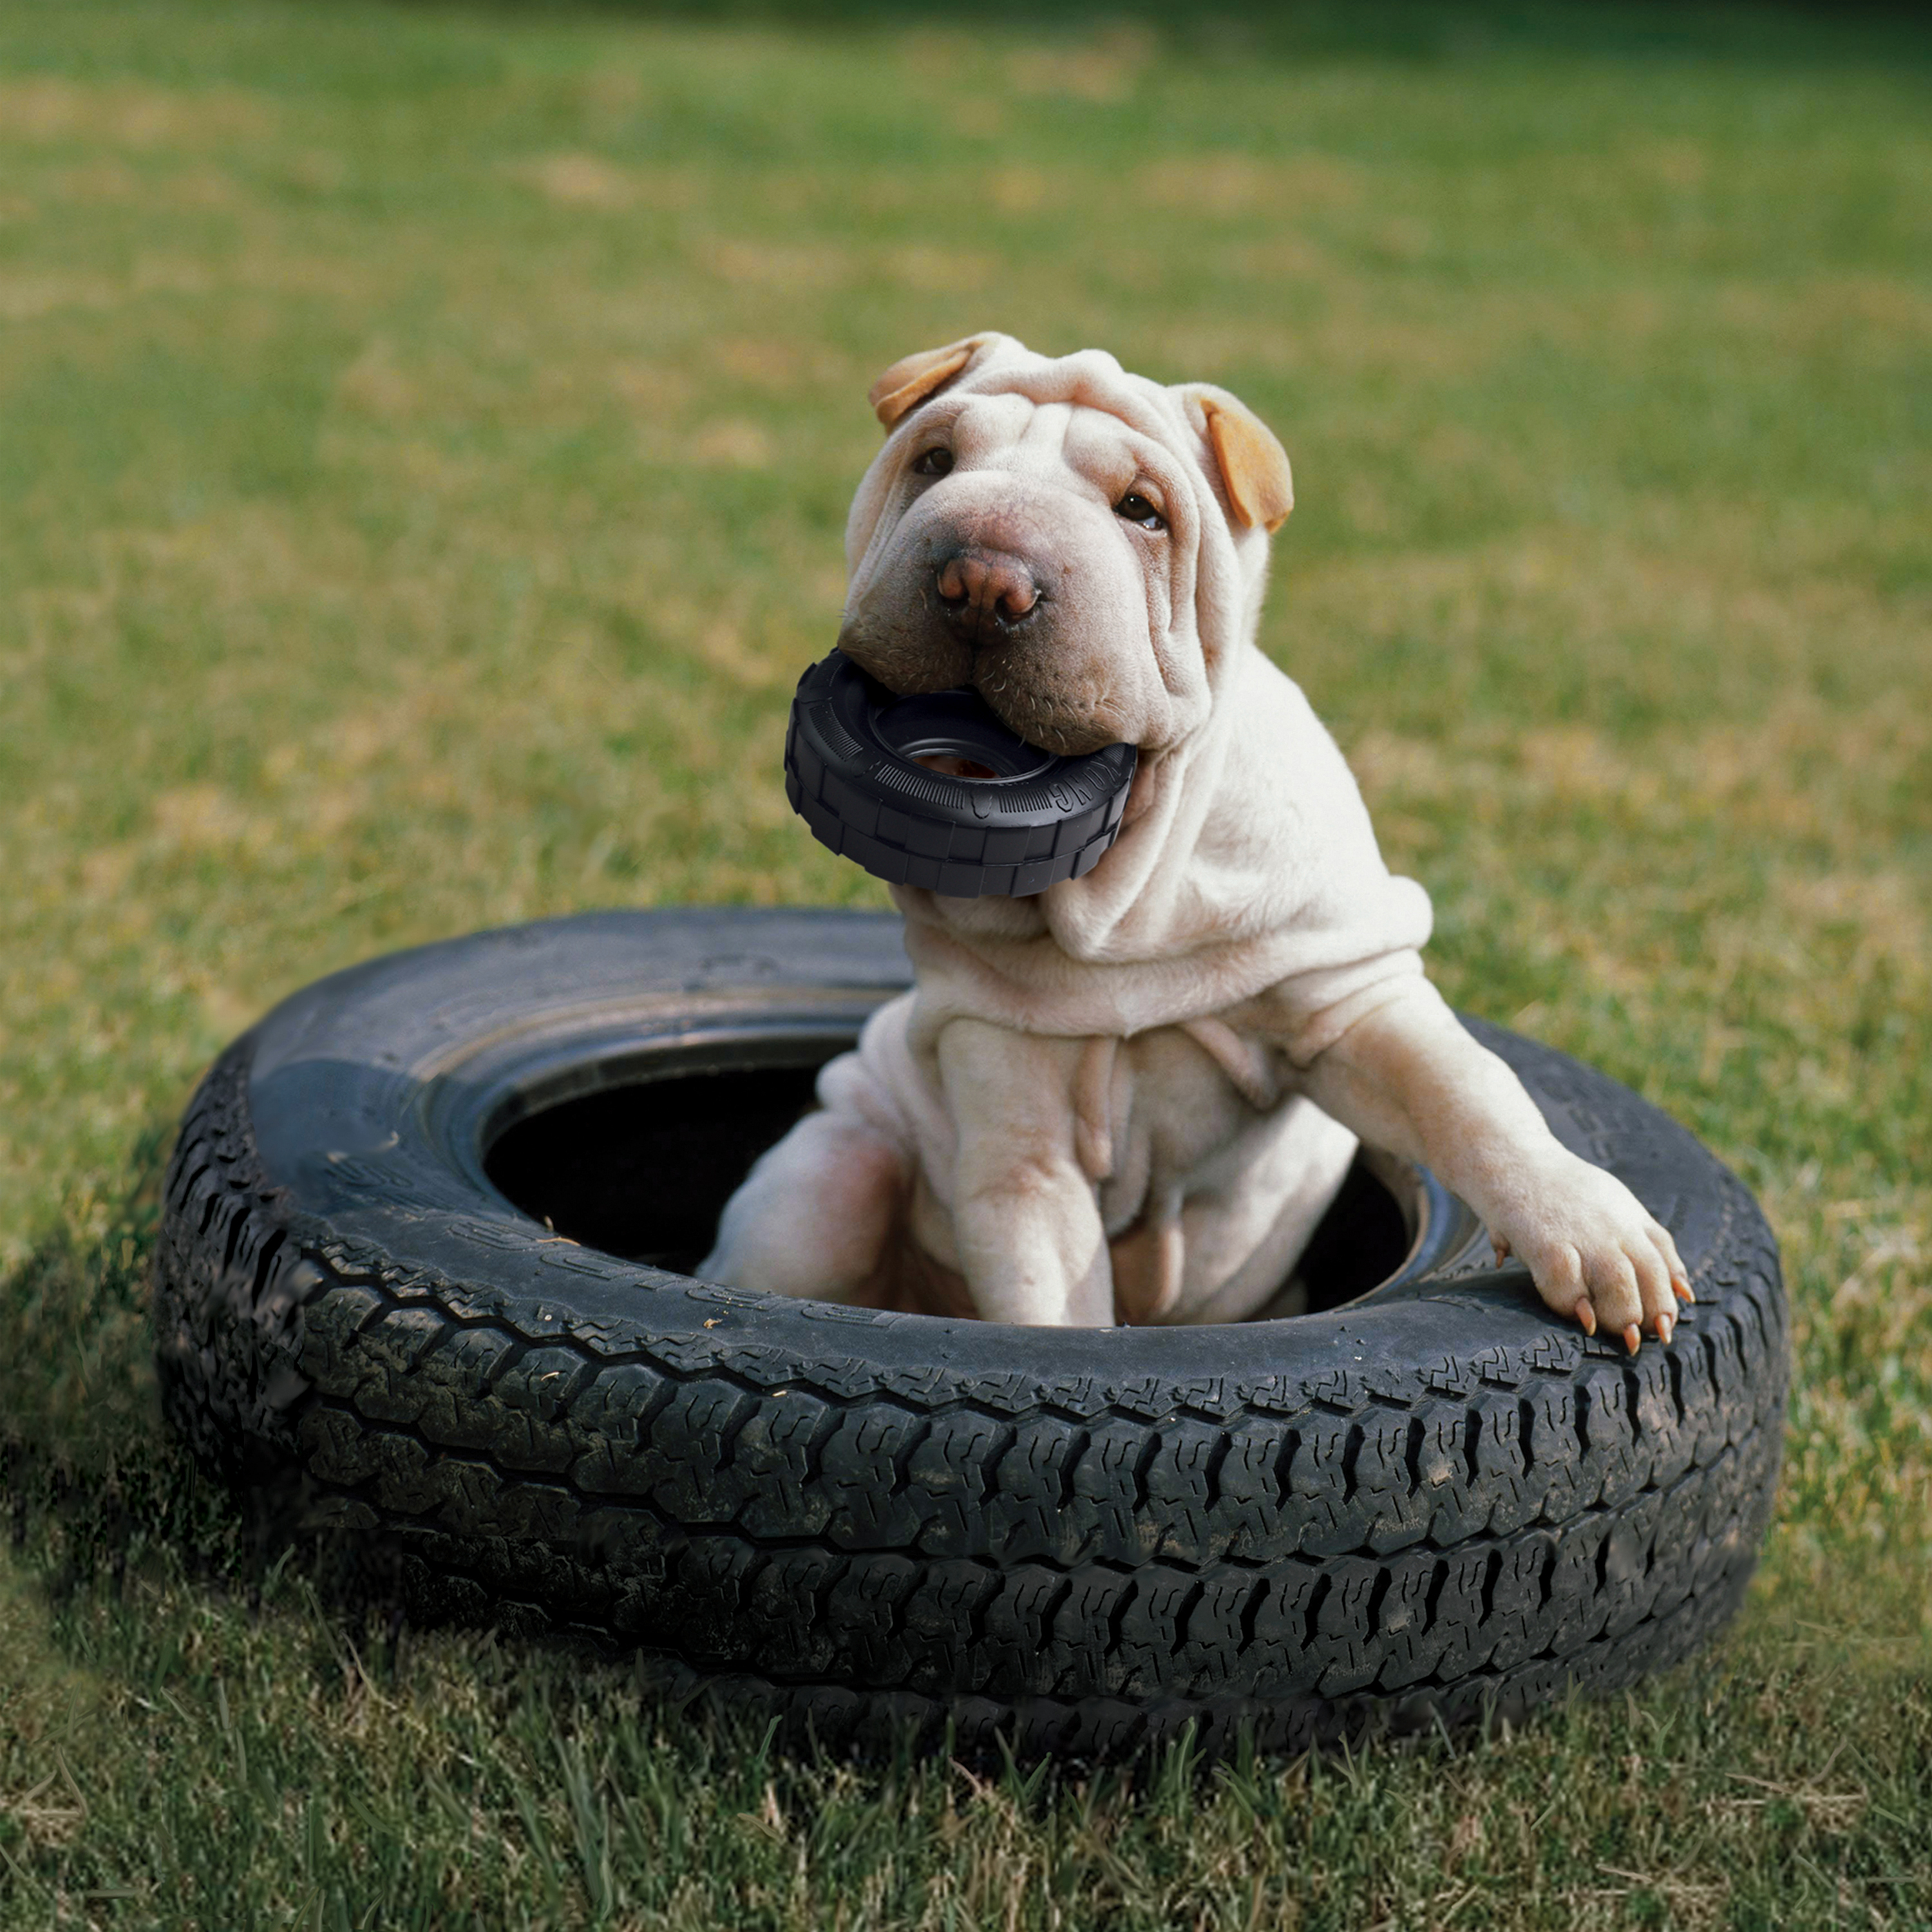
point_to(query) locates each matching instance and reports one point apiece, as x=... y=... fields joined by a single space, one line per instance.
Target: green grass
x=424 y=439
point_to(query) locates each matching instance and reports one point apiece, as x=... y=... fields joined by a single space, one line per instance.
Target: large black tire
x=1432 y=1501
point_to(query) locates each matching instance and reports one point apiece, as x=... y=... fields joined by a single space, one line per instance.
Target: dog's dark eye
x=934 y=463
x=1139 y=510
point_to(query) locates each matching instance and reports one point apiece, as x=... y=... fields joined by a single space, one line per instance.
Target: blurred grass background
x=425 y=433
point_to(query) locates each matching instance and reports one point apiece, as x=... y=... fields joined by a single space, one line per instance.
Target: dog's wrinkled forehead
x=1073 y=410
x=1033 y=432
x=1073 y=404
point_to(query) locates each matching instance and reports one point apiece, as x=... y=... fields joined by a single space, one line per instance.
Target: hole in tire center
x=956 y=732
x=642 y=1171
x=949 y=764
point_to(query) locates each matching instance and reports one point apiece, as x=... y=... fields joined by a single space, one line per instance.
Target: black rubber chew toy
x=994 y=814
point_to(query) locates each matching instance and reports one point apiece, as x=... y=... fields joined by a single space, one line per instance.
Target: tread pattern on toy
x=911 y=826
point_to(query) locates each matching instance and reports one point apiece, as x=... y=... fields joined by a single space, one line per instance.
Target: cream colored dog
x=1131 y=1097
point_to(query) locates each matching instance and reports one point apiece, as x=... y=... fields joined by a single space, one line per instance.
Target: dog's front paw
x=1594 y=1251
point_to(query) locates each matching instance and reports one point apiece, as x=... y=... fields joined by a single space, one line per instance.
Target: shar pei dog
x=1130 y=1097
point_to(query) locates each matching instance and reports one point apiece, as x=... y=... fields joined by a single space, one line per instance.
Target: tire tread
x=1081 y=1582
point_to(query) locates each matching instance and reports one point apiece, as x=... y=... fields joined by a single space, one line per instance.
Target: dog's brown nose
x=977 y=584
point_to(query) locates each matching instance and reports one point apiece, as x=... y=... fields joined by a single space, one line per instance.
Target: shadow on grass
x=85 y=1473
x=94 y=1486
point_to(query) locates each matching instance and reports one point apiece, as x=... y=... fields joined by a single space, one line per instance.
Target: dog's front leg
x=1025 y=1212
x=1407 y=1078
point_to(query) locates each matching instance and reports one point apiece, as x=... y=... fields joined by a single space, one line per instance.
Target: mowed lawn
x=425 y=433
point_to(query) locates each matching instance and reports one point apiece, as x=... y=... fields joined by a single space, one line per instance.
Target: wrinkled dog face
x=1031 y=554
x=1042 y=550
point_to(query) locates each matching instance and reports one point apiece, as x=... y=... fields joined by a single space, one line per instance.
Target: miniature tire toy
x=421 y=1240
x=856 y=772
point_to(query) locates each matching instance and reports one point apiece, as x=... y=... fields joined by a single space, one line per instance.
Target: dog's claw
x=1587 y=1315
x=1684 y=1291
x=1664 y=1326
x=1633 y=1338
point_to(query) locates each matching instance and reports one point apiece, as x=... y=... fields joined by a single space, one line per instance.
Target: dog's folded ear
x=913 y=378
x=1253 y=465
